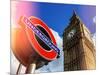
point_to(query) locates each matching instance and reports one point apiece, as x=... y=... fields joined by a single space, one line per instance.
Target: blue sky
x=57 y=16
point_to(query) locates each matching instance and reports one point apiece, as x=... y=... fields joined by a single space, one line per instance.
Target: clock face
x=71 y=33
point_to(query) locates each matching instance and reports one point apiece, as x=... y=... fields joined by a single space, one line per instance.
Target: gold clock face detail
x=71 y=33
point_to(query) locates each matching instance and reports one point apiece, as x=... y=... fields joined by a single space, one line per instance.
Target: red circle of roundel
x=48 y=55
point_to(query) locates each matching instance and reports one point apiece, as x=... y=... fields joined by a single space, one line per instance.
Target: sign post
x=31 y=68
x=34 y=44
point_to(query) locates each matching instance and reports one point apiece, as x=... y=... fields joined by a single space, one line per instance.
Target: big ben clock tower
x=78 y=47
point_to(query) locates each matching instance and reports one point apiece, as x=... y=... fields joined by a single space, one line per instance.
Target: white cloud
x=57 y=38
x=14 y=65
x=56 y=65
x=94 y=19
x=94 y=38
x=94 y=34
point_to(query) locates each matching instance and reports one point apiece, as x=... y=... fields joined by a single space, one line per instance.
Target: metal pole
x=31 y=68
x=19 y=69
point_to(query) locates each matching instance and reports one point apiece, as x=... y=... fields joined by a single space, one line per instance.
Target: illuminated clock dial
x=71 y=33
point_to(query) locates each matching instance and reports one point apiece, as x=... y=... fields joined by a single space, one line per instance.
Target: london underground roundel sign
x=40 y=37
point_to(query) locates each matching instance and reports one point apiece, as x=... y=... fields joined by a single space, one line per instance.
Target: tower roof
x=74 y=16
x=74 y=12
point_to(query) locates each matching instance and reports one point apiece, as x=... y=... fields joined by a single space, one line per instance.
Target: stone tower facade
x=78 y=47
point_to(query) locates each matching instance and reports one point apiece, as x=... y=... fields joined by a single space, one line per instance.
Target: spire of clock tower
x=74 y=14
x=74 y=18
